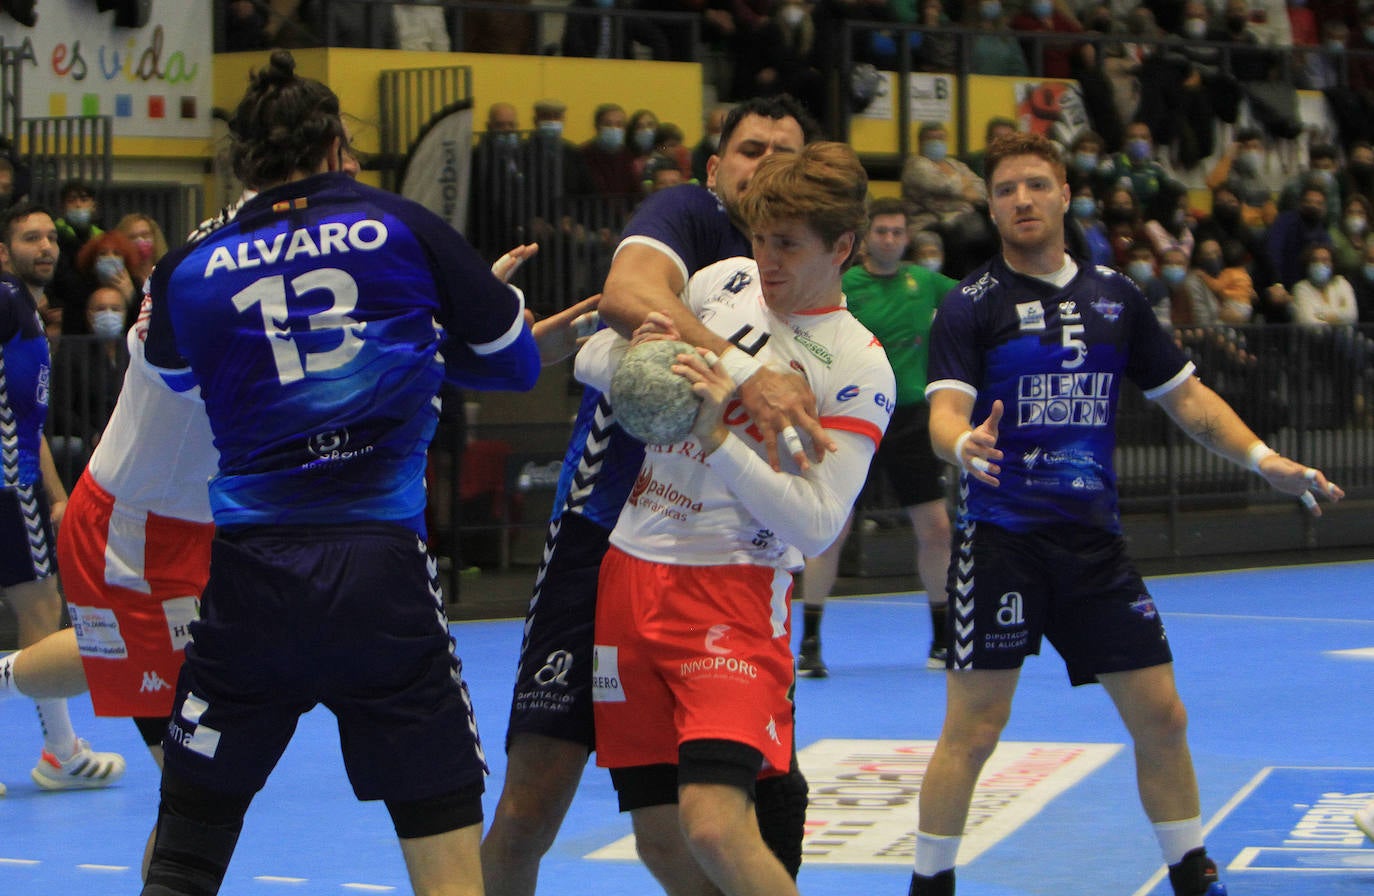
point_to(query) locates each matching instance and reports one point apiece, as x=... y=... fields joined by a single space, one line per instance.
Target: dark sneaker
x=1196 y=875
x=809 y=663
x=941 y=884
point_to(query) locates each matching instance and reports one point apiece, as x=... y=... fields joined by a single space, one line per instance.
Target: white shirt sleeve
x=598 y=359
x=805 y=510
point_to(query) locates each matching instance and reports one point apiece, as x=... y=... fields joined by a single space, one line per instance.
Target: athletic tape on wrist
x=1257 y=453
x=740 y=365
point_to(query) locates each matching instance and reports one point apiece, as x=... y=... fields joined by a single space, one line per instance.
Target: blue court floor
x=1275 y=665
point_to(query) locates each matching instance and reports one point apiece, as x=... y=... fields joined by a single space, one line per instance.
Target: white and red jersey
x=157 y=453
x=690 y=509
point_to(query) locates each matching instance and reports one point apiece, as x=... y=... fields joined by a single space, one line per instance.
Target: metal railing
x=177 y=208
x=1308 y=392
x=64 y=148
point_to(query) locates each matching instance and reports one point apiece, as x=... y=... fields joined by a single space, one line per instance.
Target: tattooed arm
x=1212 y=423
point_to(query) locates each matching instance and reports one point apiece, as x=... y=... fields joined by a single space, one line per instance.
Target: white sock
x=7 y=686
x=935 y=853
x=59 y=738
x=1176 y=838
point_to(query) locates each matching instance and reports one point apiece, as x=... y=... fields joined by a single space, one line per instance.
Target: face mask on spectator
x=792 y=16
x=1041 y=9
x=1137 y=150
x=1310 y=215
x=1251 y=161
x=144 y=245
x=1335 y=46
x=1356 y=224
x=550 y=128
x=1140 y=271
x=1173 y=274
x=932 y=264
x=1195 y=28
x=1083 y=206
x=506 y=139
x=1323 y=177
x=1211 y=265
x=611 y=138
x=1236 y=24
x=1369 y=272
x=108 y=267
x=1085 y=161
x=1319 y=273
x=1369 y=35
x=644 y=139
x=990 y=9
x=107 y=324
x=1226 y=213
x=605 y=4
x=78 y=217
x=934 y=150
x=713 y=141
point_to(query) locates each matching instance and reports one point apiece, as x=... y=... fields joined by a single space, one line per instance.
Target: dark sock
x=938 y=616
x=811 y=621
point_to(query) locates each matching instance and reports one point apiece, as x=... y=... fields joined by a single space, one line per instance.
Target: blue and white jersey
x=689 y=225
x=1055 y=357
x=25 y=369
x=319 y=324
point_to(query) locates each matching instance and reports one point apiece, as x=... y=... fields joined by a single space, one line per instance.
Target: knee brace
x=197 y=830
x=780 y=804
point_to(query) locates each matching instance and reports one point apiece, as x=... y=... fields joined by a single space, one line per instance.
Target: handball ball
x=650 y=402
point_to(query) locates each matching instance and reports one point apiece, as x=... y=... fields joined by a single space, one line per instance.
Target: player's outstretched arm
x=1212 y=423
x=972 y=448
x=560 y=335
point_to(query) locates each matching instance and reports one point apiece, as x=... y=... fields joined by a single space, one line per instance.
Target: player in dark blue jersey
x=674 y=233
x=1035 y=348
x=32 y=498
x=319 y=324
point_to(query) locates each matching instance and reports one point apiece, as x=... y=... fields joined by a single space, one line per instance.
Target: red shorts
x=689 y=653
x=133 y=584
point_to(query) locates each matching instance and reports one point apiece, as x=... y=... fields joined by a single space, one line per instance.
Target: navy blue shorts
x=907 y=459
x=553 y=687
x=349 y=616
x=1072 y=585
x=27 y=546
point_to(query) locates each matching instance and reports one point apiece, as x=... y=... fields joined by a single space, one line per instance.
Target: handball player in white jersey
x=693 y=656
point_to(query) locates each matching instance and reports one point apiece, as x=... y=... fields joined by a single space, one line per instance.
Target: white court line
x=1257 y=569
x=102 y=868
x=369 y=888
x=1227 y=809
x=274 y=879
x=25 y=862
x=1252 y=617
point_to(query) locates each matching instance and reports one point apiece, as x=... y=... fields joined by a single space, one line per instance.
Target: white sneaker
x=85 y=769
x=1364 y=819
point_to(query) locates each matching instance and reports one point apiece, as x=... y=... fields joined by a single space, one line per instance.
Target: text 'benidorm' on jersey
x=1055 y=357
x=319 y=324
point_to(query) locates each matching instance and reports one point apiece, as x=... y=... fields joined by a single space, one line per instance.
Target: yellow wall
x=672 y=90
